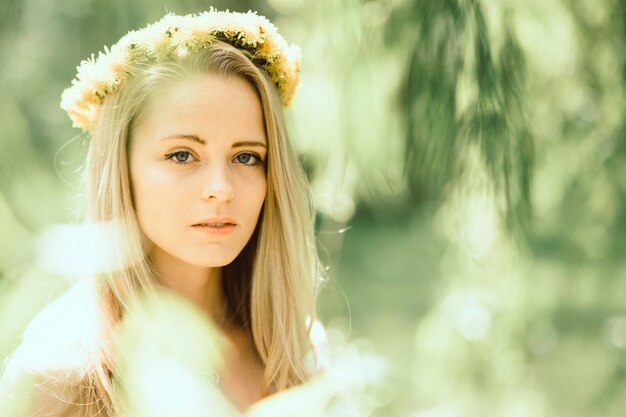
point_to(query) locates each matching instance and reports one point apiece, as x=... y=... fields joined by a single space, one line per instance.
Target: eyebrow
x=201 y=141
x=195 y=138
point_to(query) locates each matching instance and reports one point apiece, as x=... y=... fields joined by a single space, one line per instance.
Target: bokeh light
x=468 y=166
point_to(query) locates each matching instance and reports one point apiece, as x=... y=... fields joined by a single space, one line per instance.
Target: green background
x=468 y=163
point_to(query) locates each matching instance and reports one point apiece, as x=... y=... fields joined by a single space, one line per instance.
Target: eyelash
x=256 y=156
x=171 y=157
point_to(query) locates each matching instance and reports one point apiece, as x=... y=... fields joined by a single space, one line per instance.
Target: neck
x=200 y=285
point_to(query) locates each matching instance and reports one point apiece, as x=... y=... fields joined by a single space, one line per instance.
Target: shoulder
x=56 y=352
x=62 y=336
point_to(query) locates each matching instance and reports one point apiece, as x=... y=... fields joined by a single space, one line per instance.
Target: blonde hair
x=270 y=286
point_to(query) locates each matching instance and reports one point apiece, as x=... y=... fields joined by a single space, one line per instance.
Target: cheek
x=250 y=194
x=155 y=195
x=143 y=198
x=257 y=192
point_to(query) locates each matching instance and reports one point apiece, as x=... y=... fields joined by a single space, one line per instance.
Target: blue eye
x=248 y=158
x=180 y=157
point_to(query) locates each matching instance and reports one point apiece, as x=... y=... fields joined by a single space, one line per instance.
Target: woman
x=189 y=156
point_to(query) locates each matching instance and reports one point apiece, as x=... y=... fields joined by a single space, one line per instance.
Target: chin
x=205 y=257
x=212 y=261
x=214 y=264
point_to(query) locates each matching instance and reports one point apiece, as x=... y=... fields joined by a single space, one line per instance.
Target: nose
x=217 y=185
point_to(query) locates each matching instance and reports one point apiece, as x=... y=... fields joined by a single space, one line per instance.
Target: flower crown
x=176 y=36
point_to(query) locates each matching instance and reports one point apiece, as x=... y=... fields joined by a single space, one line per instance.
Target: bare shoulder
x=62 y=336
x=57 y=349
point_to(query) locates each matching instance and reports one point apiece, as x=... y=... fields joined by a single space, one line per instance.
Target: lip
x=219 y=230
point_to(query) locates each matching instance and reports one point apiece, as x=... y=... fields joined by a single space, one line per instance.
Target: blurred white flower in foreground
x=342 y=389
x=167 y=359
x=83 y=249
x=170 y=354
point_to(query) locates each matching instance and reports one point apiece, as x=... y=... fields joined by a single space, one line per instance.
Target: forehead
x=208 y=105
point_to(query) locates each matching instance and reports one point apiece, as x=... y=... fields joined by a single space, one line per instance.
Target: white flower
x=176 y=36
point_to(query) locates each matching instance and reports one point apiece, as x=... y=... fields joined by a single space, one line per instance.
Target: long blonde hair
x=270 y=286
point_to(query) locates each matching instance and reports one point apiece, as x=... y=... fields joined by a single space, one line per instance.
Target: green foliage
x=464 y=88
x=438 y=135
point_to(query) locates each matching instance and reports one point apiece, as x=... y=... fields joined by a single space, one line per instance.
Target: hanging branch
x=452 y=50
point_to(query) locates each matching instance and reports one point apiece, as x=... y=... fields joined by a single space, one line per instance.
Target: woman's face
x=197 y=167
